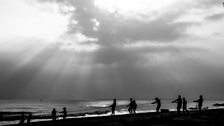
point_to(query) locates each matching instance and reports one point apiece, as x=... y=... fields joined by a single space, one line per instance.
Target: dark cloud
x=135 y=55
x=115 y=29
x=158 y=30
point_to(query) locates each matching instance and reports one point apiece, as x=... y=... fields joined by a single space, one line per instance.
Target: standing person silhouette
x=53 y=114
x=134 y=106
x=130 y=106
x=200 y=102
x=158 y=102
x=113 y=106
x=184 y=105
x=64 y=113
x=179 y=103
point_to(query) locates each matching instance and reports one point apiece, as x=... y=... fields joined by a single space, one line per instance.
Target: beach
x=11 y=110
x=193 y=118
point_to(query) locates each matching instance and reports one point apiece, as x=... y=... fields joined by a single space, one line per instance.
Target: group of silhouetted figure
x=22 y=119
x=181 y=103
x=54 y=113
x=132 y=106
x=53 y=116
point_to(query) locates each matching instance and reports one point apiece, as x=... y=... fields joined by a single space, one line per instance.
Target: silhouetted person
x=184 y=105
x=53 y=114
x=29 y=117
x=199 y=101
x=158 y=102
x=134 y=106
x=64 y=113
x=130 y=106
x=113 y=106
x=22 y=119
x=179 y=103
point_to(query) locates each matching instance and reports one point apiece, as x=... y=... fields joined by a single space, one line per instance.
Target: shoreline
x=205 y=117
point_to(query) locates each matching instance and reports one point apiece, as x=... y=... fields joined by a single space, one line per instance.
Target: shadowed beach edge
x=193 y=118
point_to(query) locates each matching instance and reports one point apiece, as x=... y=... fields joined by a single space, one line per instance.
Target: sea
x=82 y=108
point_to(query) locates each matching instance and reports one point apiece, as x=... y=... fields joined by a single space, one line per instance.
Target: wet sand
x=193 y=118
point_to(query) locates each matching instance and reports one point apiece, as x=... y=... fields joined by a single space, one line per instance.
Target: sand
x=193 y=118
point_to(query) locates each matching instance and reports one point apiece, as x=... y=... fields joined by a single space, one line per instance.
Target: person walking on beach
x=113 y=106
x=134 y=106
x=184 y=105
x=179 y=103
x=158 y=102
x=29 y=118
x=200 y=102
x=53 y=114
x=64 y=112
x=130 y=106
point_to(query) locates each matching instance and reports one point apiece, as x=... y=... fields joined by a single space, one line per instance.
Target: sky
x=104 y=49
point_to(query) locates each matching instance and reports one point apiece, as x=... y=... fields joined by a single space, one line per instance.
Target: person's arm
x=154 y=102
x=196 y=101
x=174 y=101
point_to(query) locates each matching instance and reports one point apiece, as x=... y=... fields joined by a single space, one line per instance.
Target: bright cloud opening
x=78 y=42
x=124 y=7
x=27 y=19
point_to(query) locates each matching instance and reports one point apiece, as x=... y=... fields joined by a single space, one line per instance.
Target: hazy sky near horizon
x=85 y=49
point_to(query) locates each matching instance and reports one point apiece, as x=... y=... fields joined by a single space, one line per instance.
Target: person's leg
x=113 y=112
x=157 y=109
x=178 y=110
